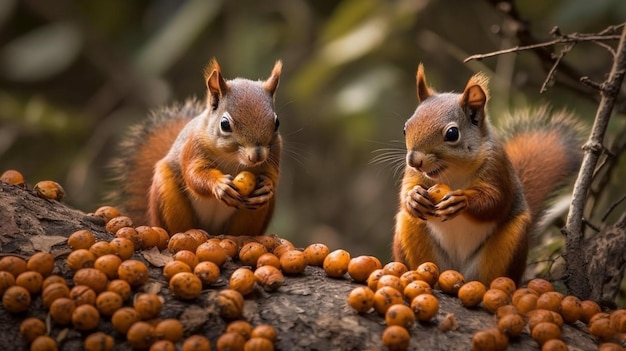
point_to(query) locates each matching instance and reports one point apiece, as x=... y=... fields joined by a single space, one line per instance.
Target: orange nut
x=361 y=267
x=386 y=297
x=512 y=324
x=207 y=271
x=186 y=285
x=123 y=318
x=293 y=262
x=12 y=177
x=148 y=305
x=245 y=182
x=107 y=213
x=242 y=280
x=361 y=299
x=316 y=253
x=471 y=293
x=49 y=189
x=396 y=338
x=16 y=299
x=115 y=223
x=98 y=341
x=450 y=281
x=134 y=272
x=264 y=331
x=395 y=268
x=82 y=294
x=81 y=239
x=61 y=310
x=230 y=303
x=493 y=299
x=437 y=192
x=336 y=263
x=425 y=307
x=108 y=302
x=416 y=287
x=197 y=343
x=429 y=272
x=505 y=284
x=85 y=317
x=31 y=328
x=91 y=277
x=269 y=277
x=401 y=315
x=42 y=262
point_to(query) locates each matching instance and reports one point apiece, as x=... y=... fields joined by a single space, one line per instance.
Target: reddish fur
x=136 y=186
x=157 y=186
x=509 y=188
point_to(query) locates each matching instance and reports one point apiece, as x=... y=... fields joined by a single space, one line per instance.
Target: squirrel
x=176 y=169
x=499 y=189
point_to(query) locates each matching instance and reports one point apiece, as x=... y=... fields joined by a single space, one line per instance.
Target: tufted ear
x=474 y=98
x=423 y=90
x=271 y=84
x=215 y=83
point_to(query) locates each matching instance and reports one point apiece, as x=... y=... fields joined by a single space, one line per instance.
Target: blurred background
x=74 y=75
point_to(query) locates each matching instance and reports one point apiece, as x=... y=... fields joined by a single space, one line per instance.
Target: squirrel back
x=143 y=146
x=177 y=169
x=495 y=186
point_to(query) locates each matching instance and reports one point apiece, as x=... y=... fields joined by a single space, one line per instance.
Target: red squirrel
x=176 y=169
x=499 y=189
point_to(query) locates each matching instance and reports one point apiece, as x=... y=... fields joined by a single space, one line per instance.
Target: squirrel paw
x=451 y=205
x=418 y=203
x=262 y=194
x=226 y=192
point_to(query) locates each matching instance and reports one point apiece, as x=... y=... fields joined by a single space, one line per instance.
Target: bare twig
x=575 y=258
x=552 y=72
x=612 y=207
x=572 y=38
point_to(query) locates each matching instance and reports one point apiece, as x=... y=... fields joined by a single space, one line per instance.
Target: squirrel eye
x=276 y=124
x=225 y=125
x=452 y=134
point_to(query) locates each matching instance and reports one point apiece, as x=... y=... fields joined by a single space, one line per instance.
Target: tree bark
x=310 y=311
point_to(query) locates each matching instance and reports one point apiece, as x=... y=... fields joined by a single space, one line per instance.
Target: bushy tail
x=545 y=150
x=144 y=145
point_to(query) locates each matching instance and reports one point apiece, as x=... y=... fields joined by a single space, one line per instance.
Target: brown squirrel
x=176 y=170
x=482 y=226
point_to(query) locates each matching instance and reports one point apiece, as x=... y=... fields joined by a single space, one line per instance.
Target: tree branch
x=575 y=259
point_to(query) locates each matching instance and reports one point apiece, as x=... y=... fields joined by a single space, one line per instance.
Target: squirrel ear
x=475 y=97
x=215 y=83
x=271 y=83
x=423 y=90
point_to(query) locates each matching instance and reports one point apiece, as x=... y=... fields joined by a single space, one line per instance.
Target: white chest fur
x=460 y=238
x=212 y=214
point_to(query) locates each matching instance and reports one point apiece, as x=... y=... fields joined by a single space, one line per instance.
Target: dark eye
x=404 y=130
x=276 y=124
x=225 y=125
x=452 y=134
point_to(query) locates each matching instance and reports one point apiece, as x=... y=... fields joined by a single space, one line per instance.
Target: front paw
x=262 y=194
x=451 y=205
x=226 y=192
x=418 y=203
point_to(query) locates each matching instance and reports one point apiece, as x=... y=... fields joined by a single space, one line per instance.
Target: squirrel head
x=445 y=136
x=242 y=123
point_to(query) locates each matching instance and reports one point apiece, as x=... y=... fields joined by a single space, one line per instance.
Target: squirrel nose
x=415 y=159
x=256 y=154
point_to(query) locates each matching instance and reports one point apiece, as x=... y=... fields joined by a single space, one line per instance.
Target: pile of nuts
x=404 y=296
x=109 y=283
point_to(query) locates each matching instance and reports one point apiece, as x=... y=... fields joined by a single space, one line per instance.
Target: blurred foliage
x=75 y=74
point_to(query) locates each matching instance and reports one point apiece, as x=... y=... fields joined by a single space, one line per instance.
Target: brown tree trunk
x=309 y=311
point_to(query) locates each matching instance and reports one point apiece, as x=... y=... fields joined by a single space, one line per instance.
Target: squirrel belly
x=498 y=190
